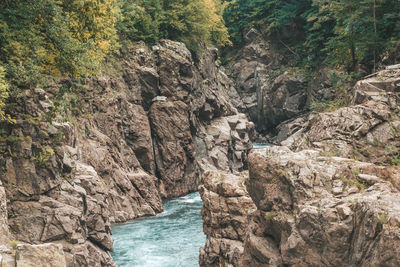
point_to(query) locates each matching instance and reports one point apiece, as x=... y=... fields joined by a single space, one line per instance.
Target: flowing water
x=170 y=239
x=260 y=145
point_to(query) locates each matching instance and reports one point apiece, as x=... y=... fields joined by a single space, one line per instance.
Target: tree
x=363 y=30
x=343 y=33
x=50 y=37
x=216 y=25
x=277 y=18
x=189 y=21
x=136 y=22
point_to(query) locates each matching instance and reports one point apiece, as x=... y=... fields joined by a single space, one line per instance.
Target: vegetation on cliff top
x=52 y=38
x=3 y=94
x=72 y=37
x=188 y=21
x=339 y=33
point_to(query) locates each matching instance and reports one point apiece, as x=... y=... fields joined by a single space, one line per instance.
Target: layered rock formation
x=367 y=130
x=329 y=194
x=271 y=91
x=225 y=209
x=84 y=155
x=225 y=143
x=314 y=210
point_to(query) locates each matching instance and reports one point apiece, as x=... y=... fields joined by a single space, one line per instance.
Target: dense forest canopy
x=339 y=32
x=53 y=38
x=72 y=37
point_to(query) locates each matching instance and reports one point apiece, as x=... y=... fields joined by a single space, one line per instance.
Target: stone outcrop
x=225 y=143
x=368 y=130
x=4 y=233
x=49 y=255
x=270 y=90
x=281 y=99
x=314 y=210
x=321 y=199
x=174 y=149
x=108 y=149
x=225 y=209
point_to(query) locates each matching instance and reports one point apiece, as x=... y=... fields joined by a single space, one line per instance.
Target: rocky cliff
x=225 y=209
x=328 y=195
x=85 y=154
x=270 y=89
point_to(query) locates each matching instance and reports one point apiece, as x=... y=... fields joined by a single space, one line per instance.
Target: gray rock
x=46 y=255
x=225 y=209
x=4 y=233
x=326 y=196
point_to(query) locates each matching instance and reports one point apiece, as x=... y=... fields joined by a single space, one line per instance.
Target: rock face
x=367 y=131
x=4 y=233
x=321 y=199
x=108 y=149
x=314 y=211
x=49 y=255
x=281 y=99
x=225 y=143
x=174 y=152
x=225 y=209
x=270 y=90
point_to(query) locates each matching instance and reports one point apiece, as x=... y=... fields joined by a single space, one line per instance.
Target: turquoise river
x=170 y=239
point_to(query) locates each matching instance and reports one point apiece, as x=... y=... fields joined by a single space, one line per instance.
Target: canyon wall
x=84 y=154
x=327 y=195
x=270 y=89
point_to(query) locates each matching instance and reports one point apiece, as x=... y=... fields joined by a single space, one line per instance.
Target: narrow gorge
x=113 y=169
x=138 y=139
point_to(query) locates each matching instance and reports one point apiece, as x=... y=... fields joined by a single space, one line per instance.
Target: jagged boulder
x=320 y=200
x=225 y=209
x=368 y=130
x=174 y=150
x=281 y=99
x=225 y=143
x=314 y=210
x=268 y=95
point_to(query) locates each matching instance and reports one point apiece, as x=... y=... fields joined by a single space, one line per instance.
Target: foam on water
x=260 y=145
x=171 y=239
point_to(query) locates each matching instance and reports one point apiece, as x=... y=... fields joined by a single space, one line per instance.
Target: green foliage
x=3 y=94
x=54 y=38
x=353 y=182
x=44 y=156
x=270 y=215
x=383 y=218
x=355 y=39
x=136 y=22
x=277 y=18
x=342 y=33
x=14 y=244
x=188 y=21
